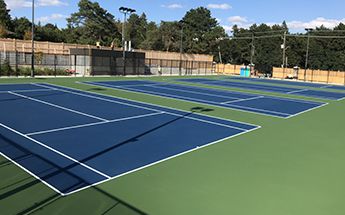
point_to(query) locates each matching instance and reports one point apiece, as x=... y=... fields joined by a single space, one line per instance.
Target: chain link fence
x=87 y=63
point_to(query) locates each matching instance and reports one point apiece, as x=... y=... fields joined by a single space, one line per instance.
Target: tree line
x=200 y=33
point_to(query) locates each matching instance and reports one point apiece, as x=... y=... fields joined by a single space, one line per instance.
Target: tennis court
x=255 y=103
x=269 y=88
x=70 y=139
x=290 y=82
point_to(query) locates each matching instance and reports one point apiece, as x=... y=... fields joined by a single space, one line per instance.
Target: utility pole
x=252 y=54
x=181 y=48
x=307 y=53
x=32 y=40
x=252 y=50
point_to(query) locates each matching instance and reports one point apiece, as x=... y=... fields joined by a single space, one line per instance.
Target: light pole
x=284 y=49
x=125 y=11
x=307 y=53
x=219 y=49
x=181 y=47
x=32 y=40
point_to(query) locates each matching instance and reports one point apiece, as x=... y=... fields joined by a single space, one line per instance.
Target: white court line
x=297 y=91
x=163 y=160
x=93 y=124
x=146 y=166
x=169 y=113
x=25 y=91
x=241 y=100
x=189 y=91
x=98 y=98
x=32 y=174
x=307 y=110
x=135 y=85
x=300 y=100
x=54 y=150
x=270 y=111
x=215 y=104
x=58 y=106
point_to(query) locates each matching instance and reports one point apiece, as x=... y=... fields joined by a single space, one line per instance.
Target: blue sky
x=299 y=14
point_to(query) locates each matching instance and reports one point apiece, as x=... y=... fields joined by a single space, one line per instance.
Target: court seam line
x=278 y=97
x=220 y=96
x=32 y=174
x=163 y=160
x=141 y=102
x=241 y=100
x=261 y=87
x=287 y=82
x=191 y=100
x=297 y=91
x=215 y=105
x=24 y=91
x=301 y=100
x=170 y=113
x=95 y=97
x=207 y=102
x=138 y=85
x=93 y=124
x=55 y=150
x=58 y=106
x=161 y=94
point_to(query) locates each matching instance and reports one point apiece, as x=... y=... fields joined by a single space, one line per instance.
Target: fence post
x=205 y=63
x=0 y=64
x=328 y=73
x=192 y=67
x=55 y=63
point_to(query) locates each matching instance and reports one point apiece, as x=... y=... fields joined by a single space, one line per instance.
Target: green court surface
x=287 y=167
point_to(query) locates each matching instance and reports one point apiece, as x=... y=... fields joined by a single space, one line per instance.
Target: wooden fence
x=228 y=69
x=322 y=76
x=13 y=45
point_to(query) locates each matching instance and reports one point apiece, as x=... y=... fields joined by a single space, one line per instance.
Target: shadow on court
x=96 y=89
x=55 y=170
x=20 y=154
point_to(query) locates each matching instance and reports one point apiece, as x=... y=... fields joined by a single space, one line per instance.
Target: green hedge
x=7 y=70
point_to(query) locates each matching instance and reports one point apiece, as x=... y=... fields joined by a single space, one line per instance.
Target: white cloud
x=227 y=28
x=53 y=17
x=51 y=3
x=237 y=19
x=13 y=4
x=328 y=23
x=219 y=6
x=241 y=22
x=173 y=6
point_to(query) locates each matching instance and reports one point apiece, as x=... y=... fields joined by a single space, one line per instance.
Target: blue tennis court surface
x=268 y=88
x=71 y=139
x=268 y=105
x=290 y=82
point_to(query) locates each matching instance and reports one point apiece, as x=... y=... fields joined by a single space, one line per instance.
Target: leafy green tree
x=5 y=17
x=153 y=40
x=20 y=26
x=137 y=27
x=49 y=32
x=92 y=23
x=201 y=31
x=170 y=35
